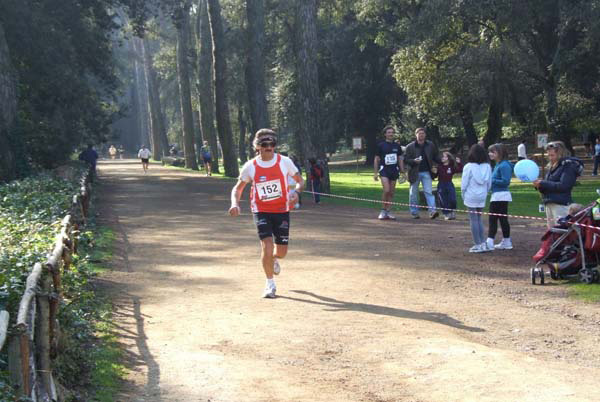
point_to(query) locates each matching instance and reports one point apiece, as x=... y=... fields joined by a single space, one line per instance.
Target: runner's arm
x=236 y=195
x=376 y=161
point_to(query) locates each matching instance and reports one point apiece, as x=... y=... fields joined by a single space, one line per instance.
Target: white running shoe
x=476 y=249
x=505 y=244
x=489 y=244
x=276 y=266
x=269 y=292
x=390 y=216
x=484 y=248
x=382 y=215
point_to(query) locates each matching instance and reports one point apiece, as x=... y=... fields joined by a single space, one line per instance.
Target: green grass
x=585 y=292
x=345 y=181
x=101 y=250
x=108 y=371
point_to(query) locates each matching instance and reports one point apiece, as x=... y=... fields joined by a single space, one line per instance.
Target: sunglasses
x=552 y=145
x=265 y=144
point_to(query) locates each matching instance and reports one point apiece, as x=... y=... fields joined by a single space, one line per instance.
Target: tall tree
x=230 y=161
x=160 y=145
x=182 y=23
x=242 y=133
x=206 y=95
x=8 y=111
x=255 y=70
x=305 y=33
x=142 y=95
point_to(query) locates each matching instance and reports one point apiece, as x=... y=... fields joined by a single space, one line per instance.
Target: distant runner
x=388 y=164
x=270 y=200
x=144 y=154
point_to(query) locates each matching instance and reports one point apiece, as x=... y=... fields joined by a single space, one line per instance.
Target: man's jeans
x=424 y=177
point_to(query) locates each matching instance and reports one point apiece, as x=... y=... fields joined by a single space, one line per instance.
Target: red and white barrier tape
x=402 y=204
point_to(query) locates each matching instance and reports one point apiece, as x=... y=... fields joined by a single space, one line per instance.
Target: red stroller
x=570 y=248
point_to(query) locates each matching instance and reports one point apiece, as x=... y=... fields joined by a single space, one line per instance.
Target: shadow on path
x=336 y=305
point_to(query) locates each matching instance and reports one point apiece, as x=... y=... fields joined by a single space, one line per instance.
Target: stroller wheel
x=533 y=274
x=541 y=276
x=554 y=275
x=586 y=276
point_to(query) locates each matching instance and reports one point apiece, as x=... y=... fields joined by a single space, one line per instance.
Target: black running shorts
x=144 y=160
x=271 y=224
x=391 y=172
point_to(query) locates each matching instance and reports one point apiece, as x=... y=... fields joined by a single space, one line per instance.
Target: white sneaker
x=269 y=292
x=476 y=249
x=390 y=216
x=382 y=215
x=485 y=248
x=505 y=244
x=276 y=266
x=489 y=244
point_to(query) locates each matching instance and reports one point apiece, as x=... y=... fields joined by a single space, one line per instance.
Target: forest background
x=132 y=72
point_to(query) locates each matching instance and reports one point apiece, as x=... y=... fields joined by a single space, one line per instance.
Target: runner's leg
x=267 y=256
x=385 y=195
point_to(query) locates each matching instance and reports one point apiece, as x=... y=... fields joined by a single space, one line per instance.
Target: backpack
x=578 y=165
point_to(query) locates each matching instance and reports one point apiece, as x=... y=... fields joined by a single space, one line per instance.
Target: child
x=446 y=190
x=500 y=197
x=475 y=184
x=316 y=173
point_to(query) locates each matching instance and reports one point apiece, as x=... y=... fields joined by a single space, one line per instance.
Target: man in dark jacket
x=422 y=158
x=90 y=156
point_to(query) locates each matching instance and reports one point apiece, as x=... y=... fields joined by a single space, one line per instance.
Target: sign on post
x=542 y=140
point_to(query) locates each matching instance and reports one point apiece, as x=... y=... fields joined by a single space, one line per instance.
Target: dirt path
x=367 y=310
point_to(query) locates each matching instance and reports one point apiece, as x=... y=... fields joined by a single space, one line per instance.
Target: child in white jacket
x=475 y=185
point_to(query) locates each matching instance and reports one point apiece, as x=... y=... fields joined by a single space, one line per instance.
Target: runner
x=206 y=158
x=270 y=201
x=144 y=154
x=388 y=164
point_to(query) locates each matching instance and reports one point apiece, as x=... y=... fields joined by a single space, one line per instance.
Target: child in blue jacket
x=500 y=197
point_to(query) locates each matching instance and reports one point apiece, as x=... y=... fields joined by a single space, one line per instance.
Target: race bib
x=391 y=159
x=269 y=190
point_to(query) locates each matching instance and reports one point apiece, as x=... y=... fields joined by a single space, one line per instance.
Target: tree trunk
x=555 y=126
x=8 y=111
x=206 y=97
x=142 y=101
x=242 y=136
x=255 y=70
x=495 y=110
x=466 y=115
x=183 y=77
x=230 y=161
x=159 y=138
x=308 y=85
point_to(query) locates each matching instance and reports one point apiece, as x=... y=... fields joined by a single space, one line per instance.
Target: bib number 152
x=269 y=190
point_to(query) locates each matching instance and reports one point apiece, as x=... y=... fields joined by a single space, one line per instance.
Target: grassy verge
x=107 y=370
x=582 y=291
x=345 y=181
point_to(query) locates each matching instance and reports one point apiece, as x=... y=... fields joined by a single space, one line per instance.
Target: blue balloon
x=527 y=170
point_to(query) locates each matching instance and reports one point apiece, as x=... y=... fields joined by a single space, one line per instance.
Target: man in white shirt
x=144 y=155
x=270 y=200
x=521 y=151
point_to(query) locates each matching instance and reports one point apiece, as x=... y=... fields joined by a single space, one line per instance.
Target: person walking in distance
x=316 y=174
x=522 y=151
x=270 y=201
x=144 y=154
x=422 y=157
x=206 y=158
x=388 y=164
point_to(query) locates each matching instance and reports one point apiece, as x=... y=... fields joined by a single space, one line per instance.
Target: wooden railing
x=33 y=341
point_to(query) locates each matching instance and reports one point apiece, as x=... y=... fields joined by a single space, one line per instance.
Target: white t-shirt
x=521 y=153
x=287 y=167
x=144 y=153
x=501 y=196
